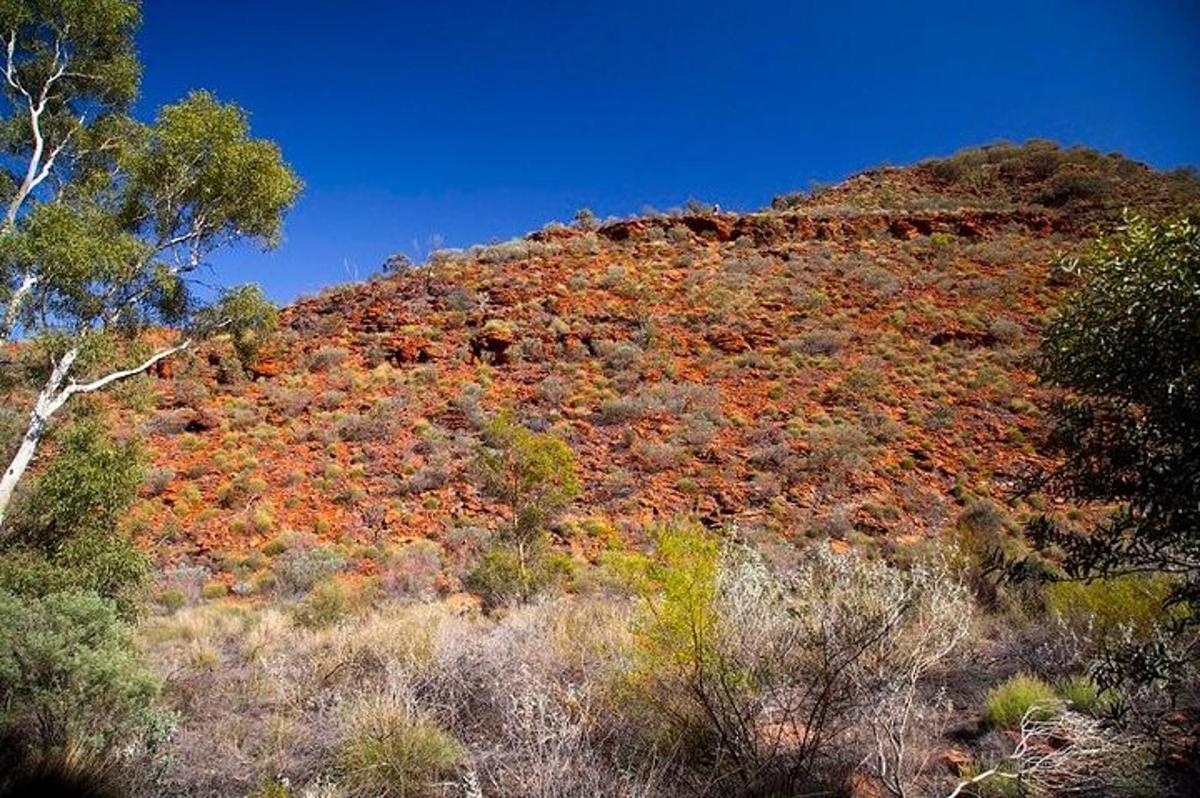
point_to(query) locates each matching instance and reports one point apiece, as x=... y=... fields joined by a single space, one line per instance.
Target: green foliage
x=1082 y=694
x=504 y=574
x=98 y=36
x=71 y=677
x=680 y=585
x=199 y=160
x=65 y=534
x=723 y=647
x=91 y=481
x=1113 y=607
x=300 y=569
x=534 y=474
x=1008 y=703
x=246 y=315
x=328 y=603
x=1125 y=343
x=172 y=599
x=189 y=183
x=214 y=590
x=390 y=751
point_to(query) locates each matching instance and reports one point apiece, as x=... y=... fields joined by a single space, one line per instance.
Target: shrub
x=71 y=678
x=1110 y=606
x=298 y=570
x=327 y=603
x=158 y=478
x=815 y=342
x=389 y=750
x=1082 y=694
x=65 y=533
x=91 y=481
x=214 y=590
x=414 y=570
x=725 y=647
x=1067 y=187
x=838 y=449
x=534 y=474
x=171 y=599
x=275 y=546
x=1007 y=703
x=504 y=575
x=326 y=358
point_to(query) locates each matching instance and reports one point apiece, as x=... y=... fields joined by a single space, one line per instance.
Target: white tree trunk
x=19 y=465
x=48 y=401
x=53 y=396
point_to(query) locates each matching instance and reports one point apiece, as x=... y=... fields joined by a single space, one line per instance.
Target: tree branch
x=95 y=385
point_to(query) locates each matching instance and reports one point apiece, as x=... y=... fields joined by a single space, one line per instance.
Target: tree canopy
x=108 y=219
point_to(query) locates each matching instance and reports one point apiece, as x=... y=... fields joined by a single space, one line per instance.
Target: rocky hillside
x=853 y=363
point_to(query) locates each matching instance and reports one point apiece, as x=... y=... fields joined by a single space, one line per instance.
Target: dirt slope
x=854 y=363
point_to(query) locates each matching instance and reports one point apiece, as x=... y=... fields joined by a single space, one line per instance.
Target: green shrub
x=275 y=547
x=214 y=590
x=1007 y=703
x=1110 y=606
x=389 y=751
x=1067 y=187
x=503 y=576
x=1083 y=695
x=91 y=481
x=65 y=533
x=171 y=599
x=533 y=473
x=298 y=570
x=328 y=603
x=71 y=677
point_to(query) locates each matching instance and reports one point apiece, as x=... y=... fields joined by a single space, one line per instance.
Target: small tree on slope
x=106 y=219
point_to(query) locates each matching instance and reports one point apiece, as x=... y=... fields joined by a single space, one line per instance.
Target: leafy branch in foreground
x=1125 y=345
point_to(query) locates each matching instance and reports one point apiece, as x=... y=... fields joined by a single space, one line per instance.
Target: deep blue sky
x=480 y=121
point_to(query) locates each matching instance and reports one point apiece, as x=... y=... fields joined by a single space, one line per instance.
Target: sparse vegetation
x=705 y=503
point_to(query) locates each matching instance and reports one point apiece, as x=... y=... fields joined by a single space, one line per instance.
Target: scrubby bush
x=214 y=590
x=1007 y=703
x=727 y=650
x=503 y=576
x=1082 y=694
x=158 y=478
x=327 y=358
x=299 y=569
x=413 y=571
x=65 y=531
x=534 y=474
x=171 y=599
x=71 y=679
x=1127 y=605
x=1067 y=187
x=390 y=750
x=326 y=604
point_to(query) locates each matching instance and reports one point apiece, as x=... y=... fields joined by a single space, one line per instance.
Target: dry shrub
x=753 y=683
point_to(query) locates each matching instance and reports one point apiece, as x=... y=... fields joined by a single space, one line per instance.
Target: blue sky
x=481 y=121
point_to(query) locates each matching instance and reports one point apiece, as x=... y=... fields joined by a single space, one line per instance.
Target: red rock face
x=847 y=368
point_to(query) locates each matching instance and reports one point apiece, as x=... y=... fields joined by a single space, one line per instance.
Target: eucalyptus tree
x=1126 y=345
x=108 y=221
